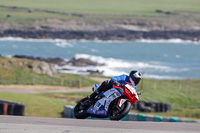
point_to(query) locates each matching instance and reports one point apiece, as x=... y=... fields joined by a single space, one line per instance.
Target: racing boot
x=93 y=95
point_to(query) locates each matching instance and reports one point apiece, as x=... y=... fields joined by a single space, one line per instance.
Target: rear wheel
x=80 y=110
x=117 y=113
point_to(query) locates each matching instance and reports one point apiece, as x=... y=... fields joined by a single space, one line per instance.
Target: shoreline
x=171 y=40
x=105 y=35
x=66 y=43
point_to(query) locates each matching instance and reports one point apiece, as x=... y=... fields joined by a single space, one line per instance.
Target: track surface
x=17 y=124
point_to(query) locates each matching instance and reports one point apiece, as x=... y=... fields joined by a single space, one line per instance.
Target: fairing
x=100 y=108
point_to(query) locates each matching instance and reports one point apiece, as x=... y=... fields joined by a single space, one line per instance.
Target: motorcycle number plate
x=97 y=105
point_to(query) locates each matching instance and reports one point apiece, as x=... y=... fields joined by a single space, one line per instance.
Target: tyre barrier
x=150 y=106
x=69 y=109
x=11 y=108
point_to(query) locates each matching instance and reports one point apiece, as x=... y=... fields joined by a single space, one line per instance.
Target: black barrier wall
x=151 y=106
x=11 y=108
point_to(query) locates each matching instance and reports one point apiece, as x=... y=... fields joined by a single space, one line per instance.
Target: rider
x=133 y=78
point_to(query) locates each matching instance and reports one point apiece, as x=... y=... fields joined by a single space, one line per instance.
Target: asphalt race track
x=18 y=124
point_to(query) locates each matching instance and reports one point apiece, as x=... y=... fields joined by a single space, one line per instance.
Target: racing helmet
x=135 y=77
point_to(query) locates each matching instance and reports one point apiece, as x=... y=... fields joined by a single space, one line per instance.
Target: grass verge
x=182 y=94
x=36 y=105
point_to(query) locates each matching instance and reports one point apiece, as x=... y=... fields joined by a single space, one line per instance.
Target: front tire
x=117 y=113
x=80 y=110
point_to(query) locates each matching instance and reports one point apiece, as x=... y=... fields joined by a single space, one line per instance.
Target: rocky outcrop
x=48 y=68
x=41 y=67
x=83 y=62
x=114 y=34
x=57 y=61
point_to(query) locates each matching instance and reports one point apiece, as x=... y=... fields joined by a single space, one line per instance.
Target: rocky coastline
x=91 y=26
x=112 y=34
x=61 y=62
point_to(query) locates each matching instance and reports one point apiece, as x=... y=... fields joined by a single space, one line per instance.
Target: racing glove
x=117 y=84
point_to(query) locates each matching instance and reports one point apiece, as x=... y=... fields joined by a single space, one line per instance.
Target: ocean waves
x=175 y=40
x=159 y=59
x=114 y=67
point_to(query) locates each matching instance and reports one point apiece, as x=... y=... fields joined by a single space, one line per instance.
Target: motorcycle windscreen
x=98 y=112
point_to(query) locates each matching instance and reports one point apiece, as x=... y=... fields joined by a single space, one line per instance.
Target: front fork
x=121 y=102
x=119 y=106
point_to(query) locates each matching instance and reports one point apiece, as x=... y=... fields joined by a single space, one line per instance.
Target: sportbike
x=114 y=104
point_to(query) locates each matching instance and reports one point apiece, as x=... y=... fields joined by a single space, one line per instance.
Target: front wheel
x=80 y=110
x=117 y=113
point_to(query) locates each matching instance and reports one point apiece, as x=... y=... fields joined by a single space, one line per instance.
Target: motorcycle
x=114 y=104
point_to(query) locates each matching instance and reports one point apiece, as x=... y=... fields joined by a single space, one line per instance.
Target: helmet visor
x=137 y=81
x=132 y=82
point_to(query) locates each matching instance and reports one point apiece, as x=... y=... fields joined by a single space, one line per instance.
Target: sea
x=155 y=59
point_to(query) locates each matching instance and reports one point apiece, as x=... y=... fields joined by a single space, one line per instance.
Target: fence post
x=180 y=86
x=79 y=83
x=62 y=82
x=33 y=81
x=50 y=82
x=17 y=79
x=1 y=82
x=70 y=83
x=155 y=85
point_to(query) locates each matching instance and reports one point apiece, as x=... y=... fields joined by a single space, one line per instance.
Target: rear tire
x=80 y=110
x=117 y=113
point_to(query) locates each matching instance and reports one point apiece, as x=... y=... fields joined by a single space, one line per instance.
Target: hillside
x=31 y=72
x=113 y=20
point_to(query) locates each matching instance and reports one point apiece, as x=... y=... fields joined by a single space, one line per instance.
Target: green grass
x=27 y=77
x=95 y=12
x=183 y=95
x=22 y=16
x=105 y=6
x=13 y=73
x=36 y=105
